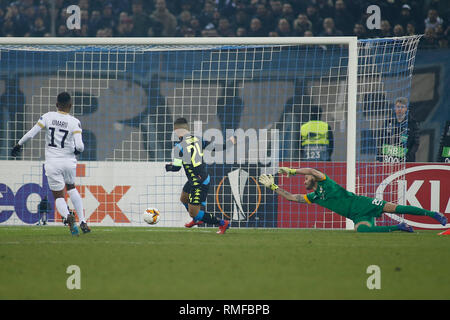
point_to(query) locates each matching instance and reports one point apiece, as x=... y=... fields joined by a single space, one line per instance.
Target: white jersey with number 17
x=59 y=137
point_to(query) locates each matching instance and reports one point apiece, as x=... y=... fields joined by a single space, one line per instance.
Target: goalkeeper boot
x=84 y=227
x=72 y=225
x=404 y=227
x=223 y=227
x=193 y=223
x=441 y=218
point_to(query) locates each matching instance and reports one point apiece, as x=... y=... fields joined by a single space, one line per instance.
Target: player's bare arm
x=291 y=197
x=269 y=182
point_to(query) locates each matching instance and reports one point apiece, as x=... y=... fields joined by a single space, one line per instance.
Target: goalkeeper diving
x=360 y=209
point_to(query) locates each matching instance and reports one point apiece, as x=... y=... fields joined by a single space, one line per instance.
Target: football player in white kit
x=63 y=141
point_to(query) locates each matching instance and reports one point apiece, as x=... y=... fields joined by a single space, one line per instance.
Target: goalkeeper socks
x=413 y=210
x=61 y=205
x=366 y=228
x=77 y=203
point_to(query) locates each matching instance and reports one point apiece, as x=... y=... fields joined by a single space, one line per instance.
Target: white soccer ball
x=151 y=216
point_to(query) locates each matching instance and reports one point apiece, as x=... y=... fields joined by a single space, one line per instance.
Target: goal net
x=294 y=102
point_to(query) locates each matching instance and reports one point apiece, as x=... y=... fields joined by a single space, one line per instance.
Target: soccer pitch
x=174 y=263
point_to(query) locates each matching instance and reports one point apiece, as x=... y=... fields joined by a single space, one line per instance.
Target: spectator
x=125 y=26
x=108 y=32
x=83 y=31
x=216 y=18
x=299 y=5
x=398 y=30
x=433 y=19
x=266 y=18
x=29 y=13
x=385 y=30
x=194 y=6
x=207 y=14
x=227 y=8
x=284 y=28
x=410 y=29
x=288 y=13
x=405 y=16
x=343 y=19
x=360 y=31
x=302 y=24
x=443 y=36
x=84 y=17
x=317 y=140
x=83 y=4
x=25 y=17
x=390 y=10
x=62 y=31
x=94 y=22
x=276 y=8
x=183 y=23
x=400 y=135
x=195 y=26
x=43 y=13
x=107 y=20
x=167 y=19
x=184 y=19
x=15 y=23
x=325 y=8
x=240 y=20
x=308 y=33
x=329 y=29
x=38 y=29
x=224 y=28
x=314 y=17
x=256 y=29
x=241 y=32
x=141 y=20
x=429 y=40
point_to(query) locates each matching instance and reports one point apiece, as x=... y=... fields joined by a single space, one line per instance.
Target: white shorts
x=60 y=172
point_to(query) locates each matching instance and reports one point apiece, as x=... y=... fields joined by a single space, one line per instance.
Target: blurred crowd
x=225 y=18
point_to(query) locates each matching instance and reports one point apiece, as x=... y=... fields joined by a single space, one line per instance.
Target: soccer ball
x=151 y=216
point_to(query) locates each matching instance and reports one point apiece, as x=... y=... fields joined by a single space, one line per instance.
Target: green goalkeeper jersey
x=332 y=196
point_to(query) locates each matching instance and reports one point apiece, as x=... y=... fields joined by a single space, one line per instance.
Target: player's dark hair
x=63 y=99
x=181 y=123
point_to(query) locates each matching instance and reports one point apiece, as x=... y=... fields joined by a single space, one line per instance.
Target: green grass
x=173 y=263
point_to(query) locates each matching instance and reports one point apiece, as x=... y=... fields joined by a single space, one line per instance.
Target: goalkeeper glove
x=268 y=181
x=16 y=150
x=288 y=171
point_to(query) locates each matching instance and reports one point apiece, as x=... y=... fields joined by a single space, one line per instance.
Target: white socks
x=61 y=205
x=77 y=203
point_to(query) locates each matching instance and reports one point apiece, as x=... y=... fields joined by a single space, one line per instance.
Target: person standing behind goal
x=63 y=140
